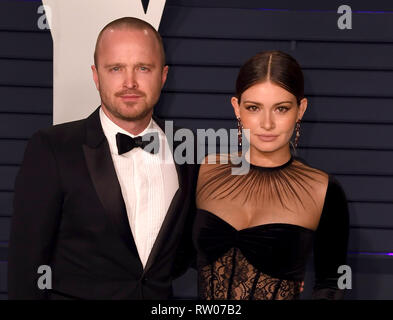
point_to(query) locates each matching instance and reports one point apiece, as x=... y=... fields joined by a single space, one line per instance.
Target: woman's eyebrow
x=261 y=104
x=253 y=102
x=282 y=102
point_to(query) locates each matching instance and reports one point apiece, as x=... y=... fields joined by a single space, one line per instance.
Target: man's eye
x=144 y=68
x=115 y=69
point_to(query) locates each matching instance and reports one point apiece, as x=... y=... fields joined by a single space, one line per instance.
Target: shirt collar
x=111 y=129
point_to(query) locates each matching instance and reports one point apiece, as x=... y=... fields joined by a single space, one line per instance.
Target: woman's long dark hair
x=275 y=66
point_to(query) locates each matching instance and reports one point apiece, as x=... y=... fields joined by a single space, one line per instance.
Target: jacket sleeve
x=331 y=243
x=186 y=253
x=35 y=220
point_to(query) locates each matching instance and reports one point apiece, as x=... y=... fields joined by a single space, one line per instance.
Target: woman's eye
x=252 y=108
x=282 y=109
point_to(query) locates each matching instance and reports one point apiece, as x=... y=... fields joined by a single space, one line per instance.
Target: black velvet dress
x=291 y=211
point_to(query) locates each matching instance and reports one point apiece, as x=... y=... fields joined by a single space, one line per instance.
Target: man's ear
x=95 y=77
x=235 y=105
x=302 y=108
x=164 y=75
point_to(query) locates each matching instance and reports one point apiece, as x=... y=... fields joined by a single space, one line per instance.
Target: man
x=106 y=214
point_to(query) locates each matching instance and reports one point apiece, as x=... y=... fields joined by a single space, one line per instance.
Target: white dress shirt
x=148 y=184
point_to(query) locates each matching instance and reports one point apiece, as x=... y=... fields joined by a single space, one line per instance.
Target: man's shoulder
x=72 y=132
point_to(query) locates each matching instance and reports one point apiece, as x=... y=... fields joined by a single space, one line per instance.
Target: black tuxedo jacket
x=69 y=214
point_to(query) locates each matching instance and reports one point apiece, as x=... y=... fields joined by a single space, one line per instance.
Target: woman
x=254 y=232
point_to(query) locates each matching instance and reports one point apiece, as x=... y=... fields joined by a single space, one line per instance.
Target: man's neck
x=134 y=127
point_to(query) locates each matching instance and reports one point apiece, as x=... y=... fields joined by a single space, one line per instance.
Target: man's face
x=129 y=74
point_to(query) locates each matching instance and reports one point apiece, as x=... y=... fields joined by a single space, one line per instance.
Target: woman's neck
x=269 y=159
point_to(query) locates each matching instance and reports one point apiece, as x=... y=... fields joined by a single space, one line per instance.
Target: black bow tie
x=126 y=143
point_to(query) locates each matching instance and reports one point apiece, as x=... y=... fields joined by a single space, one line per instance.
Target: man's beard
x=116 y=111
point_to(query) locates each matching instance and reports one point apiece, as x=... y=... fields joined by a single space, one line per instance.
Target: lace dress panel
x=232 y=277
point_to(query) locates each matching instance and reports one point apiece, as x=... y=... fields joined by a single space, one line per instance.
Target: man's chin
x=130 y=111
x=134 y=116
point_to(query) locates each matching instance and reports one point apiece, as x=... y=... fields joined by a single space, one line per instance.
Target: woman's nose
x=267 y=121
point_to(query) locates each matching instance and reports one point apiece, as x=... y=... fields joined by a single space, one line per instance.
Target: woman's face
x=270 y=112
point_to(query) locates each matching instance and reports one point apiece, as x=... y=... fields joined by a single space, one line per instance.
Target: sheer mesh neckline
x=287 y=185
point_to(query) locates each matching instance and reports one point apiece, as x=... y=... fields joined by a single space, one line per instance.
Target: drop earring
x=239 y=132
x=297 y=134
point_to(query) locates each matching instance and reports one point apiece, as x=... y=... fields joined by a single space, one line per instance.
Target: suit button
x=144 y=280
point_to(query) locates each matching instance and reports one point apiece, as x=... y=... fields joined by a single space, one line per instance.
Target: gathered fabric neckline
x=286 y=185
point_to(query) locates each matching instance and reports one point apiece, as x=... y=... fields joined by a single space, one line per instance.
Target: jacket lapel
x=174 y=207
x=102 y=172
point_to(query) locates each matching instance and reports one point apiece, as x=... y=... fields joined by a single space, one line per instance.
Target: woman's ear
x=302 y=108
x=235 y=105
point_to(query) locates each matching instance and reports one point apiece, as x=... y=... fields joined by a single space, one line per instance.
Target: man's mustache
x=128 y=92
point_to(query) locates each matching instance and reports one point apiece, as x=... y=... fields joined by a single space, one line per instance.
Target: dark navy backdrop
x=348 y=127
